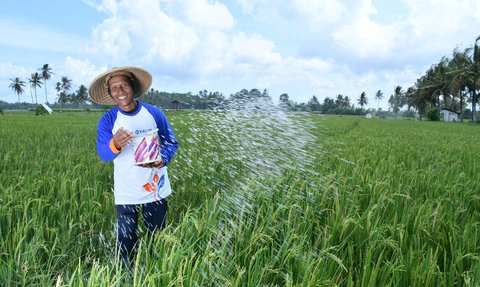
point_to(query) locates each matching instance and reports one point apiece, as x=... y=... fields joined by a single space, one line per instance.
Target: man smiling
x=139 y=187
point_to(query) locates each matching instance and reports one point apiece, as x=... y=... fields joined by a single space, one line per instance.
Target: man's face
x=122 y=92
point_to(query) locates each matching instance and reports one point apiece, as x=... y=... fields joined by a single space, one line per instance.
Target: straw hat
x=98 y=89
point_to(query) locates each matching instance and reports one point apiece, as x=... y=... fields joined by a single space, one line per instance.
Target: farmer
x=141 y=183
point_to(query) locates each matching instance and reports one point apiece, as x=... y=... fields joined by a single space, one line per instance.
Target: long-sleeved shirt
x=134 y=184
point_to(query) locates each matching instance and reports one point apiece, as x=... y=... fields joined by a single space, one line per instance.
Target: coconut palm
x=461 y=77
x=81 y=96
x=397 y=100
x=46 y=73
x=437 y=82
x=362 y=101
x=35 y=81
x=432 y=85
x=378 y=96
x=476 y=77
x=17 y=86
x=62 y=88
x=409 y=97
x=66 y=84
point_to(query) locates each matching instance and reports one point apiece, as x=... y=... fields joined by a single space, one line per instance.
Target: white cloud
x=147 y=33
x=196 y=41
x=444 y=22
x=197 y=44
x=9 y=70
x=319 y=12
x=82 y=72
x=302 y=47
x=202 y=14
x=365 y=38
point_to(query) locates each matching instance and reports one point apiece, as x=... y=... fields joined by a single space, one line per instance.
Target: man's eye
x=122 y=86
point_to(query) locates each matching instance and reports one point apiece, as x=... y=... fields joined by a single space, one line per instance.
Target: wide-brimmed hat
x=98 y=90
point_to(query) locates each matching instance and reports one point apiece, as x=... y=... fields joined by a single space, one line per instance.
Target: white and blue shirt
x=134 y=184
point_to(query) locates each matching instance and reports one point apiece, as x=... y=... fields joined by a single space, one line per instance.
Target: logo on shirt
x=156 y=183
x=138 y=132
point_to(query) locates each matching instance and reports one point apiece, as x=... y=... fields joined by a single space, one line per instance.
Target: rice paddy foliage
x=260 y=199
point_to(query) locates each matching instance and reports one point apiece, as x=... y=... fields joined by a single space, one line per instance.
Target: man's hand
x=121 y=138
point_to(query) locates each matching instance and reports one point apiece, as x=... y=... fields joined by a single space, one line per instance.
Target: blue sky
x=299 y=47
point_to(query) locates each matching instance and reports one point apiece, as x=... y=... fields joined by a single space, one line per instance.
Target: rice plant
x=260 y=199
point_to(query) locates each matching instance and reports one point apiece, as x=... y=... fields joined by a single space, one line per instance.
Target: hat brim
x=98 y=90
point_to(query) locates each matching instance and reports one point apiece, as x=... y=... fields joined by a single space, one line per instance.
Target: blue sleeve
x=168 y=142
x=104 y=136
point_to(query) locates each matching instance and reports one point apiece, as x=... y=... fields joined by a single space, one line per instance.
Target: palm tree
x=461 y=77
x=81 y=96
x=362 y=101
x=46 y=75
x=378 y=96
x=62 y=88
x=35 y=81
x=438 y=82
x=409 y=97
x=61 y=97
x=453 y=79
x=476 y=77
x=432 y=85
x=397 y=100
x=17 y=86
x=66 y=84
x=314 y=104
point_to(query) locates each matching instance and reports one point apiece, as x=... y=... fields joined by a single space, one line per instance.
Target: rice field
x=260 y=199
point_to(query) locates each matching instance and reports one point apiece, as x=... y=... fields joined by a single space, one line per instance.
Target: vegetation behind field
x=356 y=203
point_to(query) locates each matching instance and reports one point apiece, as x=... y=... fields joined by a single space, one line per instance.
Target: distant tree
x=397 y=100
x=378 y=96
x=17 y=86
x=285 y=101
x=328 y=105
x=81 y=96
x=391 y=102
x=362 y=101
x=62 y=88
x=241 y=95
x=284 y=98
x=254 y=94
x=434 y=84
x=475 y=68
x=409 y=96
x=342 y=103
x=35 y=81
x=433 y=115
x=203 y=94
x=46 y=73
x=314 y=104
x=62 y=97
x=339 y=101
x=265 y=93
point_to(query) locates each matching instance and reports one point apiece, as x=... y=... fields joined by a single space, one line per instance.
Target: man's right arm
x=106 y=148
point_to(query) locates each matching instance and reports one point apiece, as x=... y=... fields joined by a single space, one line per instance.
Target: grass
x=259 y=200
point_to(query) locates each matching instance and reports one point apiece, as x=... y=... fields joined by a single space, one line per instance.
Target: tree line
x=449 y=84
x=37 y=79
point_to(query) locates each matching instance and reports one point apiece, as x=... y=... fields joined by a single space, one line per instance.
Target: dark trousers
x=154 y=217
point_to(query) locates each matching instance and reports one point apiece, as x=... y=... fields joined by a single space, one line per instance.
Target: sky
x=303 y=48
